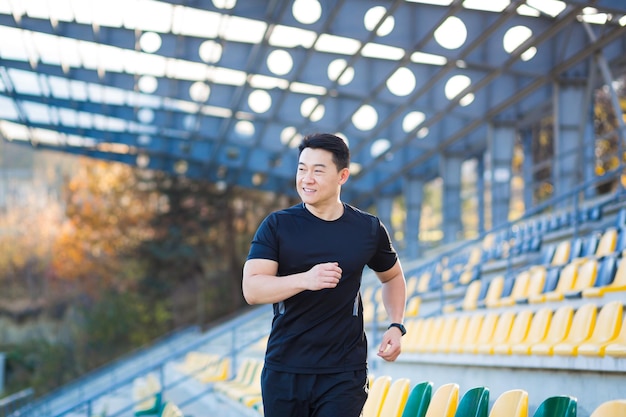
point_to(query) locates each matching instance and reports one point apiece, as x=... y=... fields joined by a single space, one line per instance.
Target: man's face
x=317 y=179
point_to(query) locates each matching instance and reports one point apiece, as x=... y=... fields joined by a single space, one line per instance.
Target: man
x=307 y=260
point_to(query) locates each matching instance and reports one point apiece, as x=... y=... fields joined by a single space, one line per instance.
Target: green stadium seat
x=557 y=406
x=418 y=401
x=474 y=403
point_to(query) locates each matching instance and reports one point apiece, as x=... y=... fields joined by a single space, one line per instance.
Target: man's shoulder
x=355 y=211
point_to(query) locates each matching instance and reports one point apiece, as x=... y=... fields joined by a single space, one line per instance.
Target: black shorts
x=313 y=395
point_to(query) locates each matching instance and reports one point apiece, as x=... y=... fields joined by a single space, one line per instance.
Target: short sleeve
x=265 y=242
x=385 y=256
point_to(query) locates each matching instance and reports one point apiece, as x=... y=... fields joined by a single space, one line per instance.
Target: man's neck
x=328 y=212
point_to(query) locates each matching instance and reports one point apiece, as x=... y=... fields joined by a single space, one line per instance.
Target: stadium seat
x=444 y=401
x=582 y=327
x=147 y=395
x=413 y=334
x=611 y=408
x=445 y=336
x=607 y=243
x=171 y=410
x=419 y=399
x=413 y=306
x=557 y=406
x=536 y=283
x=474 y=403
x=606 y=330
x=560 y=326
x=565 y=282
x=617 y=347
x=512 y=403
x=376 y=397
x=586 y=278
x=518 y=333
x=484 y=334
x=217 y=370
x=500 y=333
x=474 y=324
x=396 y=398
x=493 y=294
x=470 y=299
x=618 y=283
x=561 y=253
x=431 y=338
x=518 y=291
x=537 y=332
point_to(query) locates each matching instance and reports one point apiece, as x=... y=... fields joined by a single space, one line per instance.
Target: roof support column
x=527 y=168
x=500 y=142
x=568 y=138
x=413 y=198
x=450 y=169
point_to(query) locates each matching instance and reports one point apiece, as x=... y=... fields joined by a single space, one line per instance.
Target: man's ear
x=343 y=176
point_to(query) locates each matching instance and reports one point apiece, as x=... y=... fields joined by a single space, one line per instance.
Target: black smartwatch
x=399 y=326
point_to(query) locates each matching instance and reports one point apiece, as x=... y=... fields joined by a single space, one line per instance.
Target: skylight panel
x=14 y=131
x=24 y=82
x=434 y=2
x=79 y=141
x=3 y=87
x=308 y=89
x=8 y=109
x=217 y=111
x=550 y=7
x=69 y=53
x=107 y=13
x=82 y=11
x=12 y=45
x=376 y=50
x=145 y=64
x=226 y=76
x=337 y=45
x=267 y=83
x=59 y=87
x=61 y=12
x=88 y=54
x=240 y=29
x=5 y=7
x=37 y=9
x=46 y=136
x=143 y=100
x=525 y=10
x=36 y=112
x=290 y=37
x=78 y=90
x=487 y=5
x=148 y=15
x=196 y=22
x=68 y=117
x=431 y=59
x=47 y=47
x=185 y=70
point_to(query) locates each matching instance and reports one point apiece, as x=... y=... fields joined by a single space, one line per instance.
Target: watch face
x=399 y=326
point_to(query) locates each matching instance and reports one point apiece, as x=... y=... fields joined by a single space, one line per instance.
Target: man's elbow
x=249 y=295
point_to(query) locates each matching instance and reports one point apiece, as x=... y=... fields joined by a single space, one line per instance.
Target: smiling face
x=318 y=181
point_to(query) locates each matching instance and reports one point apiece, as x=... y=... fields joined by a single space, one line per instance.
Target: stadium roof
x=223 y=89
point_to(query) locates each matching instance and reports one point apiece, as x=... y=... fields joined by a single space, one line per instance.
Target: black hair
x=331 y=143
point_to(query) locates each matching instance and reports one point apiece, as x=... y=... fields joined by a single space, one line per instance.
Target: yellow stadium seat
x=445 y=336
x=500 y=333
x=413 y=306
x=518 y=333
x=396 y=398
x=607 y=243
x=617 y=347
x=473 y=327
x=171 y=410
x=560 y=326
x=536 y=282
x=618 y=283
x=424 y=283
x=587 y=275
x=606 y=330
x=567 y=278
x=411 y=284
x=430 y=339
x=561 y=253
x=458 y=334
x=582 y=326
x=470 y=299
x=376 y=397
x=537 y=332
x=413 y=333
x=444 y=401
x=512 y=403
x=611 y=408
x=494 y=292
x=519 y=290
x=484 y=334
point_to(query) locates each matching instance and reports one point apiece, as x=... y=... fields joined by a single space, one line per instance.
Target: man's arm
x=394 y=300
x=260 y=284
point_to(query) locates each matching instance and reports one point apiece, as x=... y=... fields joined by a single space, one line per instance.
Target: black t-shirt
x=321 y=331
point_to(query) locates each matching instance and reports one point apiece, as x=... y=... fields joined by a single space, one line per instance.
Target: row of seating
x=589 y=330
x=398 y=399
x=581 y=278
x=148 y=399
x=205 y=367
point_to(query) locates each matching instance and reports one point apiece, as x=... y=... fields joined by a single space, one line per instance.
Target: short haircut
x=331 y=143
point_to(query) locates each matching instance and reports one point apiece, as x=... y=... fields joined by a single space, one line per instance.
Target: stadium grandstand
x=512 y=109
